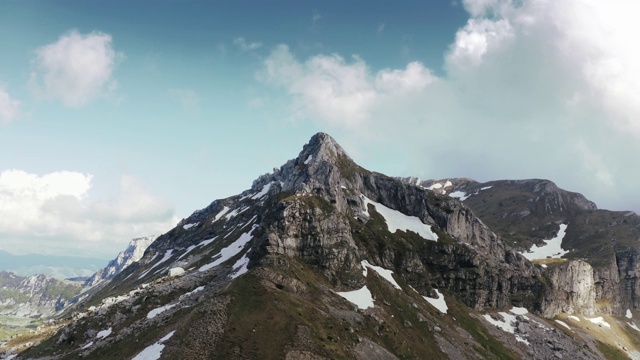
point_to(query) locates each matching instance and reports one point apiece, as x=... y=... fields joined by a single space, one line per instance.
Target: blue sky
x=117 y=119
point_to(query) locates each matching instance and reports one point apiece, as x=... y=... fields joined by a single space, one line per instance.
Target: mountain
x=133 y=253
x=323 y=259
x=34 y=296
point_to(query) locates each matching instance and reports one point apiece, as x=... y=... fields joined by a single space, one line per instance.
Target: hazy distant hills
x=56 y=266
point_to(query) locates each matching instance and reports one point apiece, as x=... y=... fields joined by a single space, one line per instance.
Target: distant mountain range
x=60 y=267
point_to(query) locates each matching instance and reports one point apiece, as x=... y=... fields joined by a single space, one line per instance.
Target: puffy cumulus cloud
x=531 y=89
x=9 y=107
x=75 y=69
x=54 y=212
x=338 y=92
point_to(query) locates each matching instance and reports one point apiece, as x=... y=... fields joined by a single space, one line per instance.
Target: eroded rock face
x=322 y=191
x=572 y=289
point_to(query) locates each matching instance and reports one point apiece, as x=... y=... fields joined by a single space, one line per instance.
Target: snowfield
x=438 y=302
x=104 y=333
x=399 y=221
x=361 y=298
x=155 y=312
x=153 y=351
x=552 y=248
x=230 y=251
x=386 y=274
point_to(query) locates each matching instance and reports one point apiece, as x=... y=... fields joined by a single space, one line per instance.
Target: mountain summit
x=322 y=259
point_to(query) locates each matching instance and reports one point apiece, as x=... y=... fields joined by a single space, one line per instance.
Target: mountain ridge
x=272 y=273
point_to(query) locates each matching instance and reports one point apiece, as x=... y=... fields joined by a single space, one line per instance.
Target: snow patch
x=104 y=333
x=155 y=312
x=230 y=251
x=386 y=274
x=438 y=302
x=519 y=310
x=506 y=325
x=460 y=195
x=166 y=257
x=361 y=298
x=241 y=265
x=572 y=317
x=629 y=315
x=552 y=248
x=563 y=324
x=202 y=243
x=153 y=351
x=189 y=226
x=86 y=346
x=434 y=186
x=263 y=192
x=599 y=321
x=633 y=326
x=221 y=214
x=185 y=295
x=399 y=221
x=306 y=162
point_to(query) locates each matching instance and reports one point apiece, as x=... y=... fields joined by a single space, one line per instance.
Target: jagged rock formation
x=323 y=259
x=133 y=253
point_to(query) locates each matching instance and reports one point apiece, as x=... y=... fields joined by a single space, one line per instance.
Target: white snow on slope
x=104 y=333
x=230 y=251
x=263 y=192
x=552 y=248
x=361 y=298
x=438 y=302
x=519 y=310
x=563 y=324
x=185 y=295
x=599 y=321
x=202 y=243
x=507 y=325
x=434 y=186
x=461 y=195
x=153 y=351
x=306 y=162
x=155 y=312
x=189 y=226
x=572 y=317
x=629 y=315
x=386 y=274
x=87 y=345
x=221 y=214
x=399 y=221
x=241 y=266
x=633 y=326
x=166 y=257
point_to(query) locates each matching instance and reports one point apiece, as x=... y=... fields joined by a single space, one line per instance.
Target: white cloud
x=477 y=38
x=75 y=69
x=9 y=107
x=54 y=212
x=531 y=89
x=246 y=46
x=335 y=91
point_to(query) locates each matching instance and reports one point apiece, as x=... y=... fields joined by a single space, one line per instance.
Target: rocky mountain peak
x=322 y=147
x=133 y=253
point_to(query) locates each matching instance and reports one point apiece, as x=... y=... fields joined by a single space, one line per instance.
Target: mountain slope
x=323 y=259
